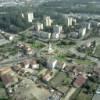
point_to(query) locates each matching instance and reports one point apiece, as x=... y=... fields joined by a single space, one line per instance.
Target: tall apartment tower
x=70 y=21
x=38 y=26
x=30 y=17
x=82 y=31
x=48 y=21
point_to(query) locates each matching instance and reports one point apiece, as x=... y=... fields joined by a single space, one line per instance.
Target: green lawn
x=61 y=57
x=37 y=45
x=84 y=62
x=1 y=85
x=97 y=52
x=61 y=81
x=83 y=96
x=79 y=95
x=3 y=95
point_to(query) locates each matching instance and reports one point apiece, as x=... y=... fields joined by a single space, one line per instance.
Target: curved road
x=79 y=43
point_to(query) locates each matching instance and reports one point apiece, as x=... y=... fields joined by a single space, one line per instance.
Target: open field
x=61 y=82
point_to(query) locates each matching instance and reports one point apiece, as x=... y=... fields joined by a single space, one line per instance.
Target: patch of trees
x=64 y=6
x=13 y=22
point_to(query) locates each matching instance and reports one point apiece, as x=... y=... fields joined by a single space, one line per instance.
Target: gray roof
x=42 y=34
x=97 y=95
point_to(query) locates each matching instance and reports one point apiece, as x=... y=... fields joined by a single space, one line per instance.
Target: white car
x=98 y=91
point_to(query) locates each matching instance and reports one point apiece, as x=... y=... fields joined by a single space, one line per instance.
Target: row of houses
x=76 y=73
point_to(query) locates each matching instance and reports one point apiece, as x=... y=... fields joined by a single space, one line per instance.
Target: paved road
x=79 y=43
x=71 y=91
x=14 y=61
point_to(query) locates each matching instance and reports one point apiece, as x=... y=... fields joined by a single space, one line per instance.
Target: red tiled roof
x=7 y=79
x=80 y=80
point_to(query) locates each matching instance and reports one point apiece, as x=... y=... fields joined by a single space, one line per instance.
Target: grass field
x=97 y=52
x=3 y=95
x=84 y=62
x=85 y=96
x=37 y=45
x=61 y=81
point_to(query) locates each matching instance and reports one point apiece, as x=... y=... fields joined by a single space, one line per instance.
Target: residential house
x=8 y=77
x=79 y=81
x=34 y=64
x=48 y=76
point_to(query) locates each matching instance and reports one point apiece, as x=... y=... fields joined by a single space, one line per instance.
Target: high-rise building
x=82 y=31
x=89 y=26
x=30 y=17
x=70 y=21
x=38 y=26
x=74 y=21
x=48 y=21
x=57 y=29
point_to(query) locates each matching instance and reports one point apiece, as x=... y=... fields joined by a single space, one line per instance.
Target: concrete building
x=48 y=76
x=74 y=21
x=48 y=21
x=8 y=77
x=73 y=34
x=52 y=63
x=79 y=81
x=26 y=64
x=87 y=25
x=38 y=26
x=34 y=64
x=57 y=29
x=11 y=37
x=69 y=21
x=82 y=31
x=29 y=50
x=30 y=17
x=42 y=35
x=55 y=36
